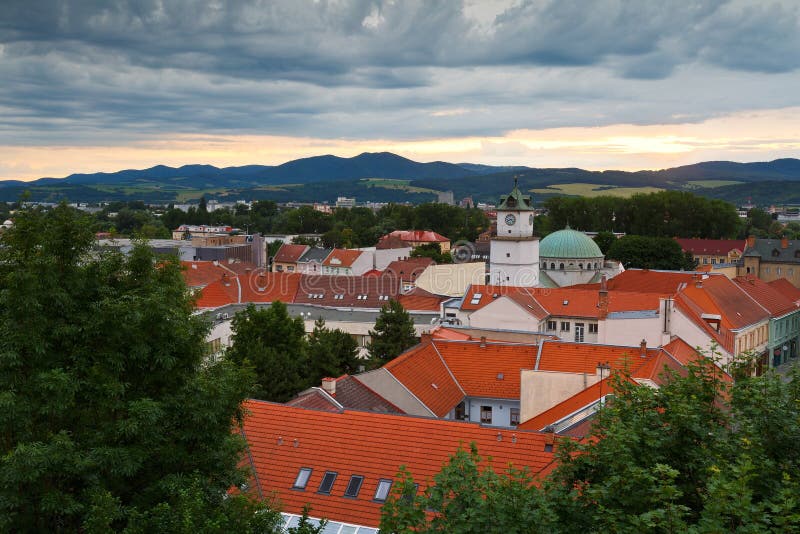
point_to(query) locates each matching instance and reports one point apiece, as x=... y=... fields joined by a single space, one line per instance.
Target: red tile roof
x=290 y=253
x=720 y=295
x=718 y=247
x=342 y=257
x=571 y=357
x=283 y=439
x=315 y=399
x=409 y=269
x=347 y=291
x=202 y=273
x=255 y=286
x=423 y=372
x=418 y=236
x=787 y=288
x=489 y=371
x=647 y=281
x=766 y=295
x=420 y=300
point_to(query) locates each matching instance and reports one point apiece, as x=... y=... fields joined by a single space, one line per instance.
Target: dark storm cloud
x=300 y=67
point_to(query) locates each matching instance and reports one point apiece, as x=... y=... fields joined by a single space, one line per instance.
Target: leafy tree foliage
x=272 y=344
x=393 y=334
x=696 y=455
x=662 y=214
x=110 y=419
x=604 y=240
x=432 y=251
x=330 y=353
x=644 y=252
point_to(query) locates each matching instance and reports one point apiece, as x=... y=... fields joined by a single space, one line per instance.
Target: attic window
x=354 y=486
x=327 y=482
x=382 y=492
x=362 y=297
x=566 y=302
x=302 y=478
x=476 y=298
x=383 y=297
x=776 y=253
x=500 y=376
x=338 y=297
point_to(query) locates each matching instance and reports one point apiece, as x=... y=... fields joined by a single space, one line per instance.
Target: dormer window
x=775 y=253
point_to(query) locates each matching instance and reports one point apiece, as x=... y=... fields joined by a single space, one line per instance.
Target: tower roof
x=515 y=201
x=569 y=243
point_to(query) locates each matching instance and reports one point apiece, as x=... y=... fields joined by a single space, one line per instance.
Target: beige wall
x=541 y=390
x=631 y=332
x=504 y=314
x=385 y=385
x=453 y=279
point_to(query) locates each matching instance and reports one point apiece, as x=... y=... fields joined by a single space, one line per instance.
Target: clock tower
x=514 y=253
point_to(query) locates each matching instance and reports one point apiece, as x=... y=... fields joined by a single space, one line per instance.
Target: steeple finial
x=516 y=179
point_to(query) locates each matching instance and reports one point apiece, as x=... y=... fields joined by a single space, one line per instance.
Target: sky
x=104 y=85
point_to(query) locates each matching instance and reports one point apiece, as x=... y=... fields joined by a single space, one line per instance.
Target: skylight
x=327 y=482
x=384 y=485
x=354 y=486
x=302 y=478
x=476 y=298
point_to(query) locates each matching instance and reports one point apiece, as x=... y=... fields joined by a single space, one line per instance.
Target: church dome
x=569 y=243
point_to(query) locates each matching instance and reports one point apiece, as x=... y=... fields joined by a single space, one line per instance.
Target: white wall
x=541 y=390
x=382 y=258
x=631 y=332
x=504 y=314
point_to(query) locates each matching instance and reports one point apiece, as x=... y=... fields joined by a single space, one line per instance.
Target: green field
x=710 y=184
x=400 y=185
x=594 y=190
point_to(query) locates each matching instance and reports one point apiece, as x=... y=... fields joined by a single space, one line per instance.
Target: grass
x=710 y=184
x=401 y=185
x=594 y=190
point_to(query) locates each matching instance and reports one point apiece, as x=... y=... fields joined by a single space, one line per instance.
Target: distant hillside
x=388 y=177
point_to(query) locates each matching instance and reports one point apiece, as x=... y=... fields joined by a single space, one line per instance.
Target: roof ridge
x=449 y=371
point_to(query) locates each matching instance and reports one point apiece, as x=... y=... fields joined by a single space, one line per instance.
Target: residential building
x=713 y=251
x=345 y=202
x=407 y=270
x=413 y=239
x=343 y=464
x=771 y=259
x=445 y=197
x=311 y=261
x=285 y=259
x=346 y=262
x=187 y=231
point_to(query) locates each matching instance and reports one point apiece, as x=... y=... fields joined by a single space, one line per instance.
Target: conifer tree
x=393 y=334
x=330 y=353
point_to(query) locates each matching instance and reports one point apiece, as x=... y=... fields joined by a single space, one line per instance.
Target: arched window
x=552 y=266
x=561 y=266
x=580 y=266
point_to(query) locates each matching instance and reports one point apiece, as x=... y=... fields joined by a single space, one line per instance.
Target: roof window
x=476 y=298
x=354 y=486
x=338 y=297
x=327 y=482
x=382 y=492
x=302 y=478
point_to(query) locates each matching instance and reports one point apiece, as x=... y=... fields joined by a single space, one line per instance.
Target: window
x=552 y=266
x=338 y=297
x=778 y=270
x=302 y=478
x=592 y=328
x=551 y=325
x=565 y=326
x=486 y=415
x=354 y=486
x=508 y=254
x=382 y=492
x=561 y=266
x=327 y=482
x=766 y=270
x=713 y=261
x=476 y=298
x=514 y=416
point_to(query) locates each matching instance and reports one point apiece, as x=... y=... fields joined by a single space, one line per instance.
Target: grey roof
x=315 y=254
x=315 y=312
x=770 y=250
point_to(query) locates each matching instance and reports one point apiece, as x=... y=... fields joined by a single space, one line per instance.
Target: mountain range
x=388 y=177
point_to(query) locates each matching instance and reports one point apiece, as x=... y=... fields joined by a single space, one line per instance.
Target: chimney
x=602 y=301
x=698 y=280
x=784 y=242
x=483 y=341
x=751 y=241
x=425 y=338
x=643 y=349
x=329 y=385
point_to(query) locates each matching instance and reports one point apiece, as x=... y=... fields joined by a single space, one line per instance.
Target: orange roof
x=766 y=295
x=721 y=296
x=342 y=257
x=283 y=439
x=423 y=372
x=256 y=286
x=420 y=300
x=786 y=288
x=647 y=281
x=202 y=273
x=408 y=269
x=218 y=294
x=571 y=357
x=290 y=253
x=489 y=371
x=418 y=236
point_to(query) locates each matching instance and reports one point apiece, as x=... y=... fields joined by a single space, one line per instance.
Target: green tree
x=330 y=353
x=644 y=252
x=393 y=334
x=604 y=240
x=432 y=250
x=273 y=345
x=110 y=417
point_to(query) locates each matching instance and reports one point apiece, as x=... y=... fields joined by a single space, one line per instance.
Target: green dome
x=569 y=243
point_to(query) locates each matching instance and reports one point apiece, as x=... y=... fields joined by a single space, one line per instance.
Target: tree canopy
x=393 y=334
x=643 y=252
x=696 y=455
x=111 y=420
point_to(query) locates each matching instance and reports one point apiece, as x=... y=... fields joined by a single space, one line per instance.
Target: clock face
x=510 y=219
